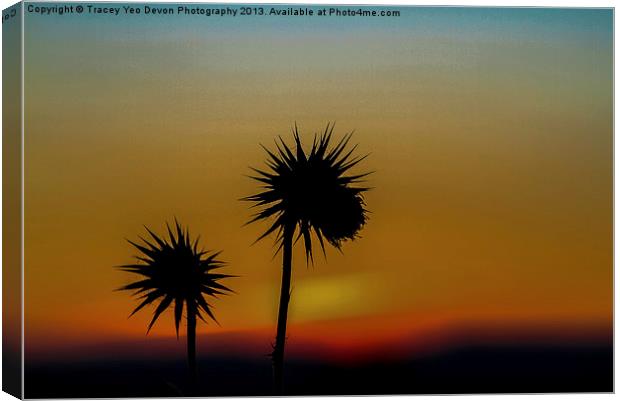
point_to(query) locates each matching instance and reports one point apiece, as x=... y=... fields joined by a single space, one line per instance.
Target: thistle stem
x=285 y=294
x=191 y=343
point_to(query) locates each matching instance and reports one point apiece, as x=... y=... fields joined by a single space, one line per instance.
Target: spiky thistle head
x=311 y=192
x=175 y=270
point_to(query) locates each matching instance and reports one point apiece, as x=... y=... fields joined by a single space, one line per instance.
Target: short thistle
x=174 y=270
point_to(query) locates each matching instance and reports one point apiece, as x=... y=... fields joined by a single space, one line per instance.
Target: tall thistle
x=174 y=271
x=311 y=195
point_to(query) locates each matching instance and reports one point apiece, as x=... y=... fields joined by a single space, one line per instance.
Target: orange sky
x=492 y=157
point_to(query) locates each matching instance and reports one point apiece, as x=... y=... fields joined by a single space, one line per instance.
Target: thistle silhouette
x=175 y=271
x=309 y=194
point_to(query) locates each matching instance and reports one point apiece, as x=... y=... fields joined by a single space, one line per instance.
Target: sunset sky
x=489 y=131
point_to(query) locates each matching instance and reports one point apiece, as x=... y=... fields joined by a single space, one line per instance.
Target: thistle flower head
x=311 y=192
x=175 y=270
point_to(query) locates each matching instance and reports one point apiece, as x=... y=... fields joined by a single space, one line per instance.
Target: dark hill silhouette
x=511 y=368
